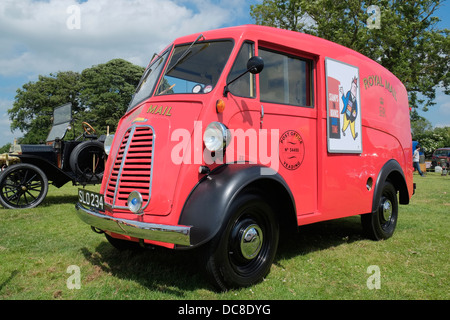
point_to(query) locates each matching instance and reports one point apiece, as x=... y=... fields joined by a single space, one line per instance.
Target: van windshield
x=148 y=81
x=195 y=68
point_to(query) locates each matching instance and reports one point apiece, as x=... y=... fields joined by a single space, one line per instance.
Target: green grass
x=323 y=261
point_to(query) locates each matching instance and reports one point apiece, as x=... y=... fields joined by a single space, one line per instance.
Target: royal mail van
x=236 y=135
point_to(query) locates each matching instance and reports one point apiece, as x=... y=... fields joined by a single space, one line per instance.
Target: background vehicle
x=441 y=157
x=27 y=169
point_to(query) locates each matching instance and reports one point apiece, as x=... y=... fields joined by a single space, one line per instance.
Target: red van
x=235 y=135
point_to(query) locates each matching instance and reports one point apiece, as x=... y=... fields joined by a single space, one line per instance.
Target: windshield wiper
x=185 y=53
x=148 y=71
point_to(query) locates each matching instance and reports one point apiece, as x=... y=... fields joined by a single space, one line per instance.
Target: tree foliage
x=433 y=139
x=99 y=96
x=418 y=124
x=407 y=42
x=428 y=137
x=34 y=103
x=106 y=91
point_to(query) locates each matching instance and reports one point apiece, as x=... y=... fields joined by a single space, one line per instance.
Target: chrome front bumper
x=141 y=230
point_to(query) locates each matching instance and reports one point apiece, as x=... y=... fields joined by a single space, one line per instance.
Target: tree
x=106 y=91
x=419 y=125
x=99 y=96
x=280 y=14
x=34 y=103
x=5 y=148
x=407 y=42
x=433 y=139
x=428 y=137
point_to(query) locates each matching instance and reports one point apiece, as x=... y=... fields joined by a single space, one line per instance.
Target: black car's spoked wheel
x=22 y=186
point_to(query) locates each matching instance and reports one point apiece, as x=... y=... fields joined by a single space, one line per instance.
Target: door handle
x=262 y=115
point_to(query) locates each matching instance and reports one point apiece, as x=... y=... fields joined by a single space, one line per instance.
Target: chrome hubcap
x=251 y=241
x=387 y=210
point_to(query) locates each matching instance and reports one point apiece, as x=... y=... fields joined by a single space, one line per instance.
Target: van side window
x=285 y=79
x=244 y=86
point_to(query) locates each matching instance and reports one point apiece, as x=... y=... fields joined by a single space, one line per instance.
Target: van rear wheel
x=242 y=253
x=381 y=224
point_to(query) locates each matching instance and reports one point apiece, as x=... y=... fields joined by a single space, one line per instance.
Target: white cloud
x=442 y=110
x=38 y=37
x=438 y=114
x=6 y=135
x=444 y=105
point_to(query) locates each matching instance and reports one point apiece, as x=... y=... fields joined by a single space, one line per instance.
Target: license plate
x=91 y=199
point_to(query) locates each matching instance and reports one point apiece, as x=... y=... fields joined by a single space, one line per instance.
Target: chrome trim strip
x=124 y=157
x=112 y=168
x=141 y=230
x=132 y=130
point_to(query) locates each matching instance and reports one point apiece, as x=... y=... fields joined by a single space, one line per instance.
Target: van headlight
x=216 y=136
x=135 y=202
x=108 y=143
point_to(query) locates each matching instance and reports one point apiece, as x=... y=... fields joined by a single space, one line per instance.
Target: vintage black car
x=28 y=169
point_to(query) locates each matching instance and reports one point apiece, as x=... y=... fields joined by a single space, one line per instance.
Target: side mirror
x=254 y=65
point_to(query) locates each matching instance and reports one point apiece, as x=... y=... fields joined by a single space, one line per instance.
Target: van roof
x=305 y=42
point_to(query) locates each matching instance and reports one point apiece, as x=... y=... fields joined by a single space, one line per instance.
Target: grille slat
x=132 y=168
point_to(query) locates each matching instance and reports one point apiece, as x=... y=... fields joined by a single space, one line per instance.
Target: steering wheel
x=87 y=128
x=169 y=88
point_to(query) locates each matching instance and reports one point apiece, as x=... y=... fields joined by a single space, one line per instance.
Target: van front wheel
x=242 y=253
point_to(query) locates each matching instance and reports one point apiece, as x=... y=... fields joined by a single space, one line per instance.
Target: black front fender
x=53 y=173
x=206 y=209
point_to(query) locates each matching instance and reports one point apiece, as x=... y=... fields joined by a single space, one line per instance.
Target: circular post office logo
x=292 y=150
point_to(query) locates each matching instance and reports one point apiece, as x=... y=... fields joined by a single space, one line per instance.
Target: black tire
x=242 y=253
x=381 y=224
x=81 y=161
x=22 y=186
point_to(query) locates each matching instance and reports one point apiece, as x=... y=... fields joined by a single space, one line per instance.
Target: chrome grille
x=132 y=167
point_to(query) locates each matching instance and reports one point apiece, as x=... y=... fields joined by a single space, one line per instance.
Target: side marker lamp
x=220 y=106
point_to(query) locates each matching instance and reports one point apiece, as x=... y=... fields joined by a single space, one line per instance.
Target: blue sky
x=43 y=37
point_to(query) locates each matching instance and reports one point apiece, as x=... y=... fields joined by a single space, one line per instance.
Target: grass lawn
x=329 y=260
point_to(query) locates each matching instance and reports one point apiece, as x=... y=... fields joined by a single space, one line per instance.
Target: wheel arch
x=206 y=208
x=391 y=171
x=281 y=200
